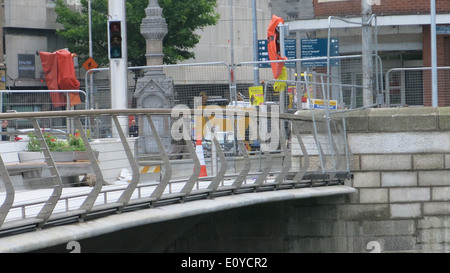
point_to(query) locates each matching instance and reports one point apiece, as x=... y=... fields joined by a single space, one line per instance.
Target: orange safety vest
x=273 y=47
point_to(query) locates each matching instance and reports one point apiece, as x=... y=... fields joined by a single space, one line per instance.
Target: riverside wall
x=401 y=166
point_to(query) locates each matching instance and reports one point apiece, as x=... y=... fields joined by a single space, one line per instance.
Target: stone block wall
x=401 y=166
x=400 y=158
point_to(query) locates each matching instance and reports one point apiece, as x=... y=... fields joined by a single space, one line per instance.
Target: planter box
x=31 y=157
x=27 y=157
x=62 y=156
x=83 y=156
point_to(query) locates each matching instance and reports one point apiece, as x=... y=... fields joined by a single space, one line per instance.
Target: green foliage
x=76 y=28
x=183 y=19
x=33 y=143
x=75 y=143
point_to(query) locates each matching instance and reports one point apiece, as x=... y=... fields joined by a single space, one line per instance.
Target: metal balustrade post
x=247 y=164
x=126 y=195
x=223 y=162
x=49 y=206
x=304 y=167
x=265 y=171
x=158 y=192
x=287 y=156
x=90 y=199
x=9 y=199
x=223 y=167
x=315 y=132
x=187 y=188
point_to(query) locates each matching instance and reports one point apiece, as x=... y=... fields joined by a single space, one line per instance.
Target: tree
x=183 y=19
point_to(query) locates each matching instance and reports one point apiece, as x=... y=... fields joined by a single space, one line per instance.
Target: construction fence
x=223 y=83
x=337 y=82
x=412 y=87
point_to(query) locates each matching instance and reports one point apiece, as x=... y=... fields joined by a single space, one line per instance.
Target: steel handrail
x=194 y=187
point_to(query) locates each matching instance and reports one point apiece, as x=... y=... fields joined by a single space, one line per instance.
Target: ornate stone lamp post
x=154 y=89
x=154 y=29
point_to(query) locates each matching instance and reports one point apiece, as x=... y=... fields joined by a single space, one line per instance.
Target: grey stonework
x=154 y=89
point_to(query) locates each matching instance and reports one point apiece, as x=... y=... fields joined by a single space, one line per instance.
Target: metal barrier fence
x=412 y=87
x=221 y=81
x=294 y=152
x=188 y=79
x=41 y=100
x=343 y=83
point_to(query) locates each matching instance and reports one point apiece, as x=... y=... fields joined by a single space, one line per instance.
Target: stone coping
x=402 y=119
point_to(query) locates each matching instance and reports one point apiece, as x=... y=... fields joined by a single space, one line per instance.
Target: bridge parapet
x=275 y=168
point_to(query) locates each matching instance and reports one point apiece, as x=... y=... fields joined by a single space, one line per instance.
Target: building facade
x=29 y=27
x=403 y=29
x=217 y=42
x=404 y=41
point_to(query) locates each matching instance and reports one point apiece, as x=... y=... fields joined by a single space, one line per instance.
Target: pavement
x=73 y=197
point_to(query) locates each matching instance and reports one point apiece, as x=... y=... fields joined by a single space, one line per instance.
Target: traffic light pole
x=118 y=65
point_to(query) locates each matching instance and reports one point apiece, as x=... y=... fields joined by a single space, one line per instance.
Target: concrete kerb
x=403 y=119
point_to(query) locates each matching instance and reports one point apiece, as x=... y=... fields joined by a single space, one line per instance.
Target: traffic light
x=115 y=39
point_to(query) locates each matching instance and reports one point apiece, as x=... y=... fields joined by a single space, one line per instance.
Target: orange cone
x=201 y=158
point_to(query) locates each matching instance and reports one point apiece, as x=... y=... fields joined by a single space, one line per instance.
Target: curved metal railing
x=308 y=152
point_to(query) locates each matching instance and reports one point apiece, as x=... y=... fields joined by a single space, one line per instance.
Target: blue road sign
x=290 y=48
x=263 y=54
x=312 y=48
x=443 y=29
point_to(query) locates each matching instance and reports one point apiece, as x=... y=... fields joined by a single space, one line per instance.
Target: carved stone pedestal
x=154 y=89
x=154 y=92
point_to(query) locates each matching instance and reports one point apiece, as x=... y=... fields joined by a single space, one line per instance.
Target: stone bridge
x=397 y=201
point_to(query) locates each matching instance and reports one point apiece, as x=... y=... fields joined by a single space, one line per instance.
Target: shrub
x=75 y=143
